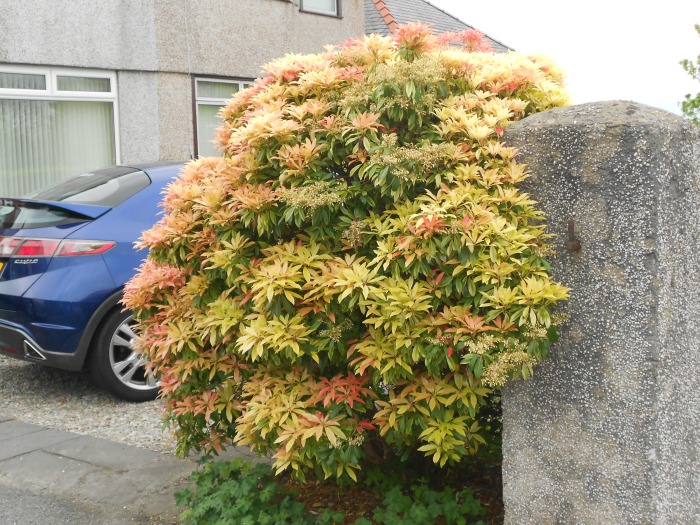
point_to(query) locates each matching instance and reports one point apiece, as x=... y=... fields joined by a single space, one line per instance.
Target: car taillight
x=8 y=245
x=71 y=247
x=36 y=248
x=26 y=247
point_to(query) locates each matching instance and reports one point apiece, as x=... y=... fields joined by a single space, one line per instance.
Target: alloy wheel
x=126 y=363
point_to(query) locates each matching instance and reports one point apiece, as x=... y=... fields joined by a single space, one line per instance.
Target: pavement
x=97 y=480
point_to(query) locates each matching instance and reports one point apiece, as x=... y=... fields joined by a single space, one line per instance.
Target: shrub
x=358 y=273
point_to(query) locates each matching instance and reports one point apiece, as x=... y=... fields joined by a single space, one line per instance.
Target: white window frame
x=212 y=101
x=27 y=93
x=335 y=12
x=52 y=92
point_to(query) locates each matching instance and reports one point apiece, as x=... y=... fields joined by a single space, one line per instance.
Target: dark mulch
x=355 y=501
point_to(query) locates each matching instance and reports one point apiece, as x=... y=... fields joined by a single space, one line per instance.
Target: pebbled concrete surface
x=608 y=430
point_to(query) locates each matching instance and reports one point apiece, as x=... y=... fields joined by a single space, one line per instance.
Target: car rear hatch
x=31 y=233
x=36 y=229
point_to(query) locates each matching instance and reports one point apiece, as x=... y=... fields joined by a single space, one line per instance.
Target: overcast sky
x=609 y=49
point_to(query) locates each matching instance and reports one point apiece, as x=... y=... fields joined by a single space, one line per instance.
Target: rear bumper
x=18 y=344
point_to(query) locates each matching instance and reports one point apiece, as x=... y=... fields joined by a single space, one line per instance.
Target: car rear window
x=106 y=187
x=17 y=214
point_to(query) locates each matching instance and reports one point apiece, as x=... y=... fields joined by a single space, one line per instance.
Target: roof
x=382 y=16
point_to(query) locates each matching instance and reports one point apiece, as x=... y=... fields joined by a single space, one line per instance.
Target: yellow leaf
x=332 y=439
x=351 y=473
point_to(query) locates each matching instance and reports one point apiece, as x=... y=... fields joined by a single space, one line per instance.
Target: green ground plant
x=358 y=274
x=242 y=493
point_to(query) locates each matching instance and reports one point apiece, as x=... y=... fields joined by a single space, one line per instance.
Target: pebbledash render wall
x=608 y=430
x=156 y=46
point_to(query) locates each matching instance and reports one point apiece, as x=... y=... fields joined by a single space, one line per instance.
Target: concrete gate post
x=608 y=430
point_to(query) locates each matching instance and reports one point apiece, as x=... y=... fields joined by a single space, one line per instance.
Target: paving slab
x=138 y=485
x=105 y=453
x=25 y=443
x=46 y=471
x=129 y=486
x=10 y=428
x=29 y=506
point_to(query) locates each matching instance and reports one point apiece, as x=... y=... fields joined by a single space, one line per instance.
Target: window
x=105 y=187
x=211 y=94
x=54 y=123
x=324 y=7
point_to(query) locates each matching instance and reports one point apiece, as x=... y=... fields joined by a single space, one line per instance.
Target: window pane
x=18 y=214
x=222 y=90
x=93 y=85
x=22 y=81
x=207 y=121
x=324 y=6
x=42 y=142
x=105 y=187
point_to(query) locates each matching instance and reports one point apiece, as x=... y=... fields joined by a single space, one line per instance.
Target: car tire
x=115 y=365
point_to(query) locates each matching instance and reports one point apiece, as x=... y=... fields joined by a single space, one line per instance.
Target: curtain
x=216 y=95
x=207 y=121
x=221 y=90
x=326 y=6
x=22 y=81
x=45 y=141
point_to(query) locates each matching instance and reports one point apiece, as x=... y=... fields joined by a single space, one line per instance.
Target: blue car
x=65 y=254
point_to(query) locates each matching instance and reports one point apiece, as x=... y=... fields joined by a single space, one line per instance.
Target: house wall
x=138 y=106
x=156 y=46
x=104 y=34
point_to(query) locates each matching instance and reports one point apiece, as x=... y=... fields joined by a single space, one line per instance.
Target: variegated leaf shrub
x=358 y=272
